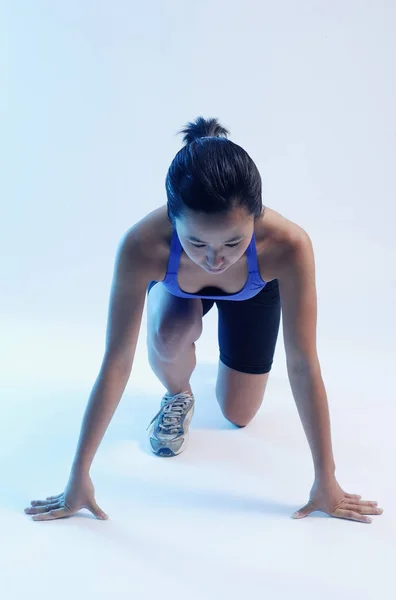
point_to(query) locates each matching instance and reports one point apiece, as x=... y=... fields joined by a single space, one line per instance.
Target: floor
x=214 y=521
x=309 y=90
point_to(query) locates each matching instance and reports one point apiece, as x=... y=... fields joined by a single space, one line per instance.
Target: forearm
x=103 y=401
x=311 y=401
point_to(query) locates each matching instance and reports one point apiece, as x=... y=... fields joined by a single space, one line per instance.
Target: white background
x=92 y=96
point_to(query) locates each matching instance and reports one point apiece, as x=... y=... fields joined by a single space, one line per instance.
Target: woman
x=213 y=242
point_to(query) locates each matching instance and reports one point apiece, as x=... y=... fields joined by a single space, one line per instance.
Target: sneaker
x=168 y=433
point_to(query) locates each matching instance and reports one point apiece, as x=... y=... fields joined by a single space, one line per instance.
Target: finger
x=52 y=514
x=363 y=509
x=97 y=511
x=365 y=503
x=34 y=510
x=351 y=514
x=304 y=511
x=359 y=501
x=47 y=501
x=352 y=502
x=356 y=496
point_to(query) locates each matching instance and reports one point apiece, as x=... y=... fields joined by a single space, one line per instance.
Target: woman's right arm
x=127 y=297
x=132 y=272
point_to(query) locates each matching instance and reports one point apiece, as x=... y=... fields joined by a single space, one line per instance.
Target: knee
x=172 y=338
x=239 y=420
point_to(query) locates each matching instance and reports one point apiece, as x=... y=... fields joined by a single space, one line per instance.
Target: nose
x=214 y=261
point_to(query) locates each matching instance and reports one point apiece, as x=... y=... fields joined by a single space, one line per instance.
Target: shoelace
x=173 y=411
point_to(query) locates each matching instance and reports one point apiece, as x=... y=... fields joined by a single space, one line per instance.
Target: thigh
x=248 y=332
x=170 y=317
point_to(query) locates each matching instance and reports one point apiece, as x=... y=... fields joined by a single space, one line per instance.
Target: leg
x=174 y=325
x=240 y=395
x=248 y=332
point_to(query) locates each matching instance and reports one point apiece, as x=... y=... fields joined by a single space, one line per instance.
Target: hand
x=329 y=497
x=79 y=493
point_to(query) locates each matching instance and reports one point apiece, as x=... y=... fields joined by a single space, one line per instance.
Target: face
x=215 y=242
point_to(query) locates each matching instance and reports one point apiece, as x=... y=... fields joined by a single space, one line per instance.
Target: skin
x=175 y=324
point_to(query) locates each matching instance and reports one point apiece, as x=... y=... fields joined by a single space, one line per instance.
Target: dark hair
x=211 y=174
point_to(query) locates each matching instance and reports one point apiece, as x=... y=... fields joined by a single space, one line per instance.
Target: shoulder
x=295 y=269
x=147 y=243
x=279 y=242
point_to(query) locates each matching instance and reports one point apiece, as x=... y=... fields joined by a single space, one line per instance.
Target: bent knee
x=237 y=410
x=171 y=339
x=238 y=422
x=238 y=418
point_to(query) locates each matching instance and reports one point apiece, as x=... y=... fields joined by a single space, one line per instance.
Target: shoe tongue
x=172 y=399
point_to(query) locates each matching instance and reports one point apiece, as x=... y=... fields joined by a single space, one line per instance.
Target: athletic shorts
x=247 y=329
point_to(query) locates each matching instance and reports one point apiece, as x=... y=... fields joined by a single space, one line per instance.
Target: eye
x=203 y=245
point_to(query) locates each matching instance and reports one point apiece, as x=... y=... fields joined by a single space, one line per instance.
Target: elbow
x=303 y=364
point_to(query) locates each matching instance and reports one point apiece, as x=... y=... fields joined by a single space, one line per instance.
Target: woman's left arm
x=297 y=287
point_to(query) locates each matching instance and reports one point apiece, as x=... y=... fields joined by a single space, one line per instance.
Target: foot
x=168 y=430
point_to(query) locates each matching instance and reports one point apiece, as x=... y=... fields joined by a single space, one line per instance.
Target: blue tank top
x=252 y=287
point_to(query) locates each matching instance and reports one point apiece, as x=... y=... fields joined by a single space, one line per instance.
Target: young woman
x=213 y=243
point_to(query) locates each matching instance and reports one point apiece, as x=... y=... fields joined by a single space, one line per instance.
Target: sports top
x=253 y=285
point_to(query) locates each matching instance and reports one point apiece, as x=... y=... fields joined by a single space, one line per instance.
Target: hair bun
x=203 y=128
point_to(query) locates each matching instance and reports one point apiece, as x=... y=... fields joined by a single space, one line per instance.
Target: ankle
x=173 y=391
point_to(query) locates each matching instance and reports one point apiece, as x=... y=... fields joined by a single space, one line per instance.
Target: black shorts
x=248 y=329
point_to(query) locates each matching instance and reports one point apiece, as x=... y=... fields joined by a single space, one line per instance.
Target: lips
x=216 y=270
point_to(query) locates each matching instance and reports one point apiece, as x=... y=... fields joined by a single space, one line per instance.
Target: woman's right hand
x=79 y=493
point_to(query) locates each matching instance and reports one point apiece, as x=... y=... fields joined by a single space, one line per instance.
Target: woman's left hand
x=328 y=497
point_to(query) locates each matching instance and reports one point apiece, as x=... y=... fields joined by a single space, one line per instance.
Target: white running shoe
x=168 y=430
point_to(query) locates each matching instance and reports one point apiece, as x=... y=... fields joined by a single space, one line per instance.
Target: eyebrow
x=234 y=239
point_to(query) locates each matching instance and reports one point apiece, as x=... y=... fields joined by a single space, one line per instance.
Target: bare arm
x=127 y=298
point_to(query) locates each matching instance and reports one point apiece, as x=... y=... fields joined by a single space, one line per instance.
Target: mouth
x=216 y=270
